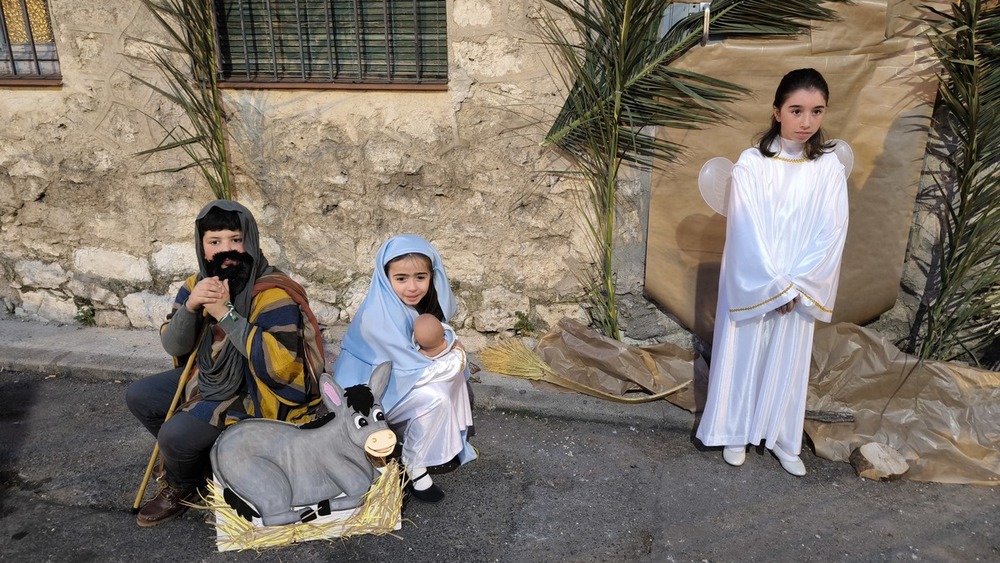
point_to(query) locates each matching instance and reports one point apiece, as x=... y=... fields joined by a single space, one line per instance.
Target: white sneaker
x=734 y=455
x=795 y=467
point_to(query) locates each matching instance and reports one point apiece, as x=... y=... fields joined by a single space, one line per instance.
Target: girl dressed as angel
x=785 y=232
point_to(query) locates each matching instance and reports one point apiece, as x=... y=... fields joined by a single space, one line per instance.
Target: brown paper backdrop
x=882 y=86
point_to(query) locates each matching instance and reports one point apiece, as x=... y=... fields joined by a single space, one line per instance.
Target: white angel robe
x=433 y=416
x=785 y=232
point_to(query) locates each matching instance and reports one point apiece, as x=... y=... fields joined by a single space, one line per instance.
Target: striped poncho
x=280 y=340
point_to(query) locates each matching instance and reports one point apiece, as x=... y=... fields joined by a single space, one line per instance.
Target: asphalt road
x=544 y=489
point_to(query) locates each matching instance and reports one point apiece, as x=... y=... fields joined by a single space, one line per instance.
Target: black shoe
x=433 y=493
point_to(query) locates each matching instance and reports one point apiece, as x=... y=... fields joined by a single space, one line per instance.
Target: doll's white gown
x=431 y=418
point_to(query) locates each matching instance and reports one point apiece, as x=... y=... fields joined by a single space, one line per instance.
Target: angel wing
x=717 y=174
x=713 y=182
x=845 y=154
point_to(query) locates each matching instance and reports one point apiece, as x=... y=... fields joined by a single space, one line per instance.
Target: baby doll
x=428 y=335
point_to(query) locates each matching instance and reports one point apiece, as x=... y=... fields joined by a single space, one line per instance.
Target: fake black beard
x=237 y=274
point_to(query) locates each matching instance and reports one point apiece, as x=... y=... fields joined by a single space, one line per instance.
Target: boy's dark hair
x=219 y=220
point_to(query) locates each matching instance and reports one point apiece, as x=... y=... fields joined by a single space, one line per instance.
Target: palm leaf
x=960 y=316
x=627 y=59
x=193 y=86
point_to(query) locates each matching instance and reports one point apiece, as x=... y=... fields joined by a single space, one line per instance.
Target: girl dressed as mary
x=428 y=407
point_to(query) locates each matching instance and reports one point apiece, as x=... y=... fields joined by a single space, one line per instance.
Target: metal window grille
x=27 y=46
x=333 y=41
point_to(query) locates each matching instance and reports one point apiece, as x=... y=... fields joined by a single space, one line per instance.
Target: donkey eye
x=378 y=415
x=360 y=421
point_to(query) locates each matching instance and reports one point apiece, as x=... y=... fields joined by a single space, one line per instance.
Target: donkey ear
x=380 y=379
x=332 y=392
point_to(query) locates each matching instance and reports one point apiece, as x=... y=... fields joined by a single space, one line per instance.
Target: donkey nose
x=381 y=443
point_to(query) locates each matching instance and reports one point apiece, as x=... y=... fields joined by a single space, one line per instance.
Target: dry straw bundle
x=511 y=357
x=378 y=514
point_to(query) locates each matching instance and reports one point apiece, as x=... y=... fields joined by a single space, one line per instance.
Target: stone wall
x=329 y=174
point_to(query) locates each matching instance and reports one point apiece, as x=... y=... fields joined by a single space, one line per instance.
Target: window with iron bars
x=27 y=47
x=333 y=43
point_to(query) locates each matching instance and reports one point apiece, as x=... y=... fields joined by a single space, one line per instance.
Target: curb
x=119 y=355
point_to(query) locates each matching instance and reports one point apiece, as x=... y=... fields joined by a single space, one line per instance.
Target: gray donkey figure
x=278 y=471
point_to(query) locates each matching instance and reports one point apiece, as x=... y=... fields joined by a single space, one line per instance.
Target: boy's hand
x=218 y=307
x=205 y=292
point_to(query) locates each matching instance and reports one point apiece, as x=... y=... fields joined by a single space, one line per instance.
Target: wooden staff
x=173 y=405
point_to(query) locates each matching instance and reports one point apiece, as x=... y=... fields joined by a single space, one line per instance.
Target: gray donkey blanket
x=279 y=471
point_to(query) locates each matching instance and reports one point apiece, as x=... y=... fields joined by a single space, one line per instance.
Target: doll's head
x=428 y=333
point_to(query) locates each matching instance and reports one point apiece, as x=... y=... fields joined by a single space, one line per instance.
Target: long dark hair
x=429 y=303
x=799 y=79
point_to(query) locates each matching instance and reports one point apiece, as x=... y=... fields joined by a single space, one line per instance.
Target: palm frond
x=189 y=67
x=960 y=319
x=627 y=59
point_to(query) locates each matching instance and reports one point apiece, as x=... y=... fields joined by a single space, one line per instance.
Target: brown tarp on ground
x=944 y=418
x=578 y=353
x=882 y=85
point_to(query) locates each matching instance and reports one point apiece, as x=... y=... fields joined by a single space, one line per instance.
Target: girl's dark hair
x=219 y=220
x=800 y=79
x=429 y=304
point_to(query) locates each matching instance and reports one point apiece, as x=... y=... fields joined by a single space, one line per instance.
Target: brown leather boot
x=167 y=504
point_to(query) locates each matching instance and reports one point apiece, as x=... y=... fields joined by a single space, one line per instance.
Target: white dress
x=432 y=416
x=785 y=233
